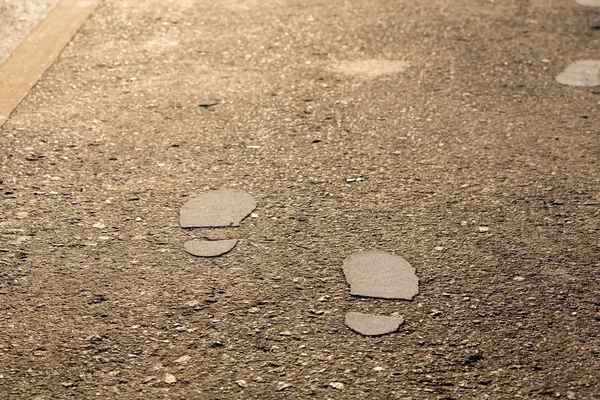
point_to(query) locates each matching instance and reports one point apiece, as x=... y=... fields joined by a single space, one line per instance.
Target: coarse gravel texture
x=476 y=167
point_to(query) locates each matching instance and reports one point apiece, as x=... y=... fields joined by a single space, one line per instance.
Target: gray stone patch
x=372 y=325
x=209 y=248
x=380 y=274
x=220 y=208
x=581 y=73
x=589 y=3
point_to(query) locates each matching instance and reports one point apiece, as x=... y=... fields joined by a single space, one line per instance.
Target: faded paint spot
x=371 y=68
x=581 y=73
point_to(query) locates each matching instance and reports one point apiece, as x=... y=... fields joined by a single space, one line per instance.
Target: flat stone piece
x=209 y=248
x=380 y=274
x=372 y=325
x=581 y=73
x=219 y=208
x=589 y=3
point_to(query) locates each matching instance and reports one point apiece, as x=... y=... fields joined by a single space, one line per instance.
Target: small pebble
x=169 y=378
x=183 y=359
x=241 y=383
x=282 y=385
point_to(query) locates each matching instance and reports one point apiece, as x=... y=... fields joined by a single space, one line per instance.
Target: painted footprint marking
x=370 y=68
x=372 y=325
x=589 y=3
x=581 y=73
x=216 y=209
x=381 y=275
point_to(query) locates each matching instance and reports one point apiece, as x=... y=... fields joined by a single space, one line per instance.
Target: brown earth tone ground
x=478 y=168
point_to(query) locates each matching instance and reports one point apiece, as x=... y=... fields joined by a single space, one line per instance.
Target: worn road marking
x=21 y=71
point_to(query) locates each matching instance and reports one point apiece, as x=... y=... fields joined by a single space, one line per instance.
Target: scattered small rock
x=208 y=105
x=241 y=383
x=282 y=385
x=484 y=228
x=170 y=378
x=183 y=359
x=359 y=179
x=337 y=385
